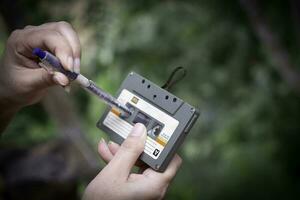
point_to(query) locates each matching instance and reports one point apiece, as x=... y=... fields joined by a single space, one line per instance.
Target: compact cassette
x=168 y=119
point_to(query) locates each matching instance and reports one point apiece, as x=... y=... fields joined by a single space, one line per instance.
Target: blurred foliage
x=246 y=142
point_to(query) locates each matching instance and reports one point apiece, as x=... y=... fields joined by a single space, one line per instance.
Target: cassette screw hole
x=154 y=96
x=148 y=86
x=167 y=97
x=143 y=81
x=174 y=99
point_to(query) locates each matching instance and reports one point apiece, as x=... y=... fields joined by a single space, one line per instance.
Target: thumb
x=129 y=151
x=41 y=79
x=38 y=79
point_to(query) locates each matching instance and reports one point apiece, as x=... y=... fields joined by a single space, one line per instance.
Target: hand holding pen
x=23 y=81
x=30 y=80
x=49 y=62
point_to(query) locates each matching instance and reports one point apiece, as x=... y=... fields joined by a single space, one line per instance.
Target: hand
x=22 y=81
x=116 y=182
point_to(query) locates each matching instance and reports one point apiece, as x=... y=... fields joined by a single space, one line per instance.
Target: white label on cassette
x=163 y=122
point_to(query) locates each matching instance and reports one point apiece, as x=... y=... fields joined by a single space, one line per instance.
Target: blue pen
x=51 y=61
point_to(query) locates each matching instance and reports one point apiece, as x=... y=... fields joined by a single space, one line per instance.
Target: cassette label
x=160 y=126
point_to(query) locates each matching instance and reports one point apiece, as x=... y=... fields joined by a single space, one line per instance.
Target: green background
x=246 y=142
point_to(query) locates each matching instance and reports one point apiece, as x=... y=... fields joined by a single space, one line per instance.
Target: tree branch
x=270 y=40
x=295 y=15
x=64 y=114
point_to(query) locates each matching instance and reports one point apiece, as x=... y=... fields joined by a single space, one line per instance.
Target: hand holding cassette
x=116 y=181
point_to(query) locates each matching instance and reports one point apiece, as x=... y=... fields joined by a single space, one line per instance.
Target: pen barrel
x=52 y=61
x=109 y=99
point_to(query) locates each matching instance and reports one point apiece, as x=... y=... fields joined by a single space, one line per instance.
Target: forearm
x=22 y=81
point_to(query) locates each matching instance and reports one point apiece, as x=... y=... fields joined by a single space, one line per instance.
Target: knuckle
x=14 y=35
x=64 y=24
x=29 y=27
x=54 y=33
x=48 y=24
x=16 y=32
x=17 y=41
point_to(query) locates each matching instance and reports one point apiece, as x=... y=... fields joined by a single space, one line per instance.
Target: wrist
x=8 y=105
x=9 y=100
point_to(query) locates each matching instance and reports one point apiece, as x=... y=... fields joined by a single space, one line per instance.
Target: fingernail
x=138 y=130
x=62 y=81
x=67 y=88
x=102 y=140
x=59 y=80
x=56 y=80
x=77 y=65
x=111 y=143
x=71 y=64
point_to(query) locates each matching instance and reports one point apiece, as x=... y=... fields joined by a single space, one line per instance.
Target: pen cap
x=52 y=61
x=39 y=53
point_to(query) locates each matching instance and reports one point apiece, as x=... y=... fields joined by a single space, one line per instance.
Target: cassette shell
x=173 y=106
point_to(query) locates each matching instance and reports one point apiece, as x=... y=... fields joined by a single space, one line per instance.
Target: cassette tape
x=168 y=119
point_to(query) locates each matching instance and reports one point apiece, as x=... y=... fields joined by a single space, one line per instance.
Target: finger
x=65 y=29
x=38 y=79
x=104 y=151
x=173 y=167
x=60 y=79
x=47 y=39
x=169 y=173
x=113 y=147
x=129 y=151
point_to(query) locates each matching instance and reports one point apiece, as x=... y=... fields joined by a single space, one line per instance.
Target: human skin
x=23 y=82
x=117 y=177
